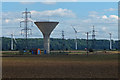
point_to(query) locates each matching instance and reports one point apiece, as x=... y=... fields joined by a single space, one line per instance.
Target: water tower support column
x=47 y=44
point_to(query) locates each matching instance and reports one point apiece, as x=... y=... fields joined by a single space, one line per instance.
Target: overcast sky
x=81 y=15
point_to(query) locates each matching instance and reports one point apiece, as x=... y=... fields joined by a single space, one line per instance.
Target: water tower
x=46 y=27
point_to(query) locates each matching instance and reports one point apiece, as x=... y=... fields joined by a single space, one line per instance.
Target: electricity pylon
x=26 y=30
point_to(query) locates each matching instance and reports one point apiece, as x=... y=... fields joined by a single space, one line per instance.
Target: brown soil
x=35 y=67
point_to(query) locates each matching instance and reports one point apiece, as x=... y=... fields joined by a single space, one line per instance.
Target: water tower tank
x=46 y=28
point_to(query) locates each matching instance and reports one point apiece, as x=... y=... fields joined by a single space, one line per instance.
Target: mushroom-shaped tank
x=46 y=28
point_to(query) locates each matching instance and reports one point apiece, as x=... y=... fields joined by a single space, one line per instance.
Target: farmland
x=60 y=66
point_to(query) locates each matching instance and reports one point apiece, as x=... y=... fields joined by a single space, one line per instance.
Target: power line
x=93 y=33
x=26 y=30
x=87 y=41
x=63 y=35
x=93 y=37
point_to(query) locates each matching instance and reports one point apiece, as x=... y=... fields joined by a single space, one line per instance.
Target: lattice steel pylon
x=26 y=31
x=93 y=37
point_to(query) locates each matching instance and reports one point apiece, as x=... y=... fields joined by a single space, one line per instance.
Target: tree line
x=57 y=44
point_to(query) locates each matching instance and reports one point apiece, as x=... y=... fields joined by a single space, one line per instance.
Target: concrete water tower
x=46 y=28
